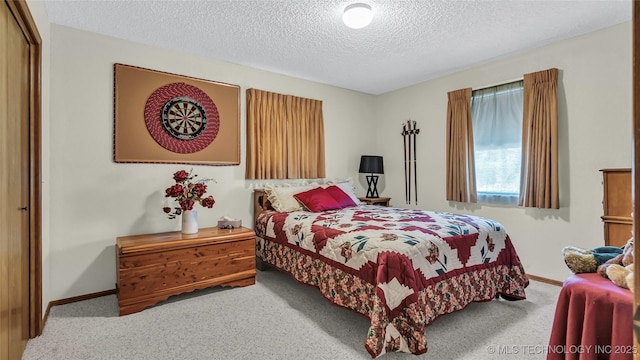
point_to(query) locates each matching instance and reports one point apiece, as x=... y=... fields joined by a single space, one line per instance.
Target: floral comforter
x=401 y=268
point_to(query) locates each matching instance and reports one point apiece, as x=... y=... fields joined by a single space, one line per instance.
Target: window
x=285 y=136
x=496 y=113
x=487 y=124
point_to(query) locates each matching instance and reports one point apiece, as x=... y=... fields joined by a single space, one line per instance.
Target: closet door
x=14 y=187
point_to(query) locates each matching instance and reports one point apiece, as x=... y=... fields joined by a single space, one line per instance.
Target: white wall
x=94 y=200
x=91 y=200
x=595 y=108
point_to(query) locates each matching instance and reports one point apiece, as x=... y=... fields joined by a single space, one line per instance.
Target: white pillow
x=281 y=198
x=347 y=186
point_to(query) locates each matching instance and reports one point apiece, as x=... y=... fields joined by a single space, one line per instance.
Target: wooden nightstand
x=153 y=267
x=382 y=201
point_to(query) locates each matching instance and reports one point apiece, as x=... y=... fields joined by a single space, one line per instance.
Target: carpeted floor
x=279 y=318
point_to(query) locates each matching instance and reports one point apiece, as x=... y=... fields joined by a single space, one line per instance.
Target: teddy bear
x=620 y=268
x=614 y=263
x=621 y=275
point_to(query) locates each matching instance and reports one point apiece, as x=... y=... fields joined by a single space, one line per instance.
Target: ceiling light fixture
x=357 y=16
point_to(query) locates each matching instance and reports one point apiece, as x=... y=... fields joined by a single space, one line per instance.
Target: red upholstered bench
x=593 y=321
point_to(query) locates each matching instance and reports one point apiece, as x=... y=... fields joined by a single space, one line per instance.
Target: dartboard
x=184 y=118
x=181 y=118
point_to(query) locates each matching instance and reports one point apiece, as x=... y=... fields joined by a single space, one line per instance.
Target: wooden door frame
x=20 y=11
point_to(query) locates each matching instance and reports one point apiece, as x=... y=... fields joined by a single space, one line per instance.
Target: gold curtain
x=285 y=136
x=539 y=174
x=461 y=175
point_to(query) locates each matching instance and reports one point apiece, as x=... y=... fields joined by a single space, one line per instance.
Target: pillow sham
x=346 y=185
x=281 y=198
x=340 y=196
x=317 y=200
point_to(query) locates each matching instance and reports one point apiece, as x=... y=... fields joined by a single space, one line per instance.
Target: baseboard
x=113 y=291
x=545 y=280
x=45 y=317
x=82 y=297
x=72 y=300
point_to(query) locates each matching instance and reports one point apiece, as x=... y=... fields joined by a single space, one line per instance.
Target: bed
x=401 y=268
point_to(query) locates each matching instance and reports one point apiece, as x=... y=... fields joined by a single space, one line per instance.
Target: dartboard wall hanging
x=182 y=118
x=167 y=118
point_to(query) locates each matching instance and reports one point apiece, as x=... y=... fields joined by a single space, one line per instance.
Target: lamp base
x=372 y=182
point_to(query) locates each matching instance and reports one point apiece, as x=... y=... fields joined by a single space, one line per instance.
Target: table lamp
x=370 y=164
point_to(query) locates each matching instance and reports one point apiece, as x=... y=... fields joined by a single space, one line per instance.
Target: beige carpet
x=279 y=318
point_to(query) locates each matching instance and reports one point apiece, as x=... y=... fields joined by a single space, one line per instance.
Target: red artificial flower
x=199 y=189
x=208 y=202
x=187 y=193
x=180 y=176
x=175 y=191
x=186 y=204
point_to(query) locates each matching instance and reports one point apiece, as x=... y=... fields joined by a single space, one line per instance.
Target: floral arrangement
x=187 y=191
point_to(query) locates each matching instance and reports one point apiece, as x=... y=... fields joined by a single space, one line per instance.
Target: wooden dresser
x=618 y=205
x=153 y=267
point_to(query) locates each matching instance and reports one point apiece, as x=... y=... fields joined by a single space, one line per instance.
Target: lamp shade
x=357 y=16
x=370 y=164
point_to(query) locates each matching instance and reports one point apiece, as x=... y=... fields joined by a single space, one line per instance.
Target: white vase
x=189 y=222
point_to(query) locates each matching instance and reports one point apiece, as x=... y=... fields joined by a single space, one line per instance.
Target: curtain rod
x=498 y=84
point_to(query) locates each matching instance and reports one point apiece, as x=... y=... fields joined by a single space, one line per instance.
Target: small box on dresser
x=152 y=267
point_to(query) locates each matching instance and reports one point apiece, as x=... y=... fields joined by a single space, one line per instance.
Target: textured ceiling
x=408 y=41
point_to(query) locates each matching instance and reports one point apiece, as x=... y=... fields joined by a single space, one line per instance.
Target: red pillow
x=340 y=196
x=317 y=199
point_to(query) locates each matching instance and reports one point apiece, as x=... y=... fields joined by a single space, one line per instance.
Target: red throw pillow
x=317 y=199
x=340 y=196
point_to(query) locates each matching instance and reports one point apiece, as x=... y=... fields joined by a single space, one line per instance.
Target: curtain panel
x=539 y=173
x=285 y=136
x=461 y=178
